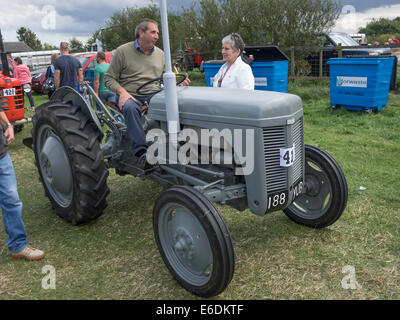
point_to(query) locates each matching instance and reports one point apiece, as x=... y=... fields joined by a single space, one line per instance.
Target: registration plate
x=279 y=200
x=9 y=92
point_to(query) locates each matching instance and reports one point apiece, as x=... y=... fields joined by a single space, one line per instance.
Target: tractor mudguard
x=69 y=94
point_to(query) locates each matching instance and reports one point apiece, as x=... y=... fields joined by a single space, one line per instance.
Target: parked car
x=351 y=48
x=87 y=60
x=38 y=78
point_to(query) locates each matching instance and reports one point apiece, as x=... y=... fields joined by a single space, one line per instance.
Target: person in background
x=50 y=71
x=101 y=90
x=395 y=41
x=11 y=205
x=234 y=73
x=23 y=74
x=67 y=68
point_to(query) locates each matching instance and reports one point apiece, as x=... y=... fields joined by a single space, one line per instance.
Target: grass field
x=115 y=257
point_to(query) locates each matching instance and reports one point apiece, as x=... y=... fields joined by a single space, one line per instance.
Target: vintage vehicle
x=11 y=94
x=189 y=58
x=281 y=172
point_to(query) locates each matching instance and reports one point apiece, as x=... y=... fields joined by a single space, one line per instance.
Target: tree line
x=206 y=22
x=284 y=23
x=30 y=38
x=380 y=30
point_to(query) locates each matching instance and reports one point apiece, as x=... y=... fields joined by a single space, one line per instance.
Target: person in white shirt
x=234 y=73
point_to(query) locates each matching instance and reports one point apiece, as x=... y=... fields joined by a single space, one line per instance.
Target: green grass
x=115 y=257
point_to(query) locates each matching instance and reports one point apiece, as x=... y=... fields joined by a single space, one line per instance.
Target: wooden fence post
x=321 y=57
x=292 y=61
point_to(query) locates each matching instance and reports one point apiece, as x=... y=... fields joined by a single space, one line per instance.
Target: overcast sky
x=55 y=21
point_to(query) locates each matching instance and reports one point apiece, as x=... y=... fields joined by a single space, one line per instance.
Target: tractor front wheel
x=193 y=240
x=325 y=197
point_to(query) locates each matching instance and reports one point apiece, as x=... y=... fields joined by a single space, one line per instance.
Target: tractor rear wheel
x=325 y=197
x=70 y=161
x=193 y=240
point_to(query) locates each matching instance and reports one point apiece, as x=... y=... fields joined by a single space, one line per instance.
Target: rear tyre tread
x=80 y=139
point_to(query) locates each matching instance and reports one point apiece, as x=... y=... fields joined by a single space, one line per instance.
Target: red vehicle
x=87 y=60
x=193 y=57
x=11 y=94
x=190 y=57
x=38 y=78
x=11 y=98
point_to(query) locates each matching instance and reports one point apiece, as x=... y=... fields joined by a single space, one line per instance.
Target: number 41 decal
x=287 y=156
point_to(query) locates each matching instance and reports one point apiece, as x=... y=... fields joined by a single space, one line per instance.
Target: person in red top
x=22 y=73
x=395 y=41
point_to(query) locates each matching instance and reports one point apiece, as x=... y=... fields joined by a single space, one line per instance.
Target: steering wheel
x=139 y=90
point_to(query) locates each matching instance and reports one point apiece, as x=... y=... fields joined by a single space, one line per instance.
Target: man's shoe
x=29 y=253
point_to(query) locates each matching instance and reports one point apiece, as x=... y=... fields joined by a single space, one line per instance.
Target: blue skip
x=360 y=84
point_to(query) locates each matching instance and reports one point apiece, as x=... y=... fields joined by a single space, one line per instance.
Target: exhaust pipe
x=4 y=61
x=171 y=99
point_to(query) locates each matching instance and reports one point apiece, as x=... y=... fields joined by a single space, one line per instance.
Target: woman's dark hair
x=236 y=41
x=18 y=60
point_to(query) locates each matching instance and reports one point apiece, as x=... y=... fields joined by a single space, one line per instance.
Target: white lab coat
x=239 y=76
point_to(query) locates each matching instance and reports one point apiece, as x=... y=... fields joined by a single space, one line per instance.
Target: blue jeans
x=11 y=207
x=30 y=98
x=107 y=96
x=133 y=118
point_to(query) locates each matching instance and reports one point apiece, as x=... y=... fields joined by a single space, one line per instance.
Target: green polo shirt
x=100 y=70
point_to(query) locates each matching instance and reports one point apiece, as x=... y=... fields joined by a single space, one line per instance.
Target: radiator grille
x=274 y=139
x=18 y=99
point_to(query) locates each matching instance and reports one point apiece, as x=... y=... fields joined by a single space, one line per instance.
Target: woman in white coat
x=234 y=73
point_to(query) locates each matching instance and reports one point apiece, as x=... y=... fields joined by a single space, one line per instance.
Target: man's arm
x=9 y=129
x=96 y=83
x=57 y=78
x=80 y=74
x=124 y=96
